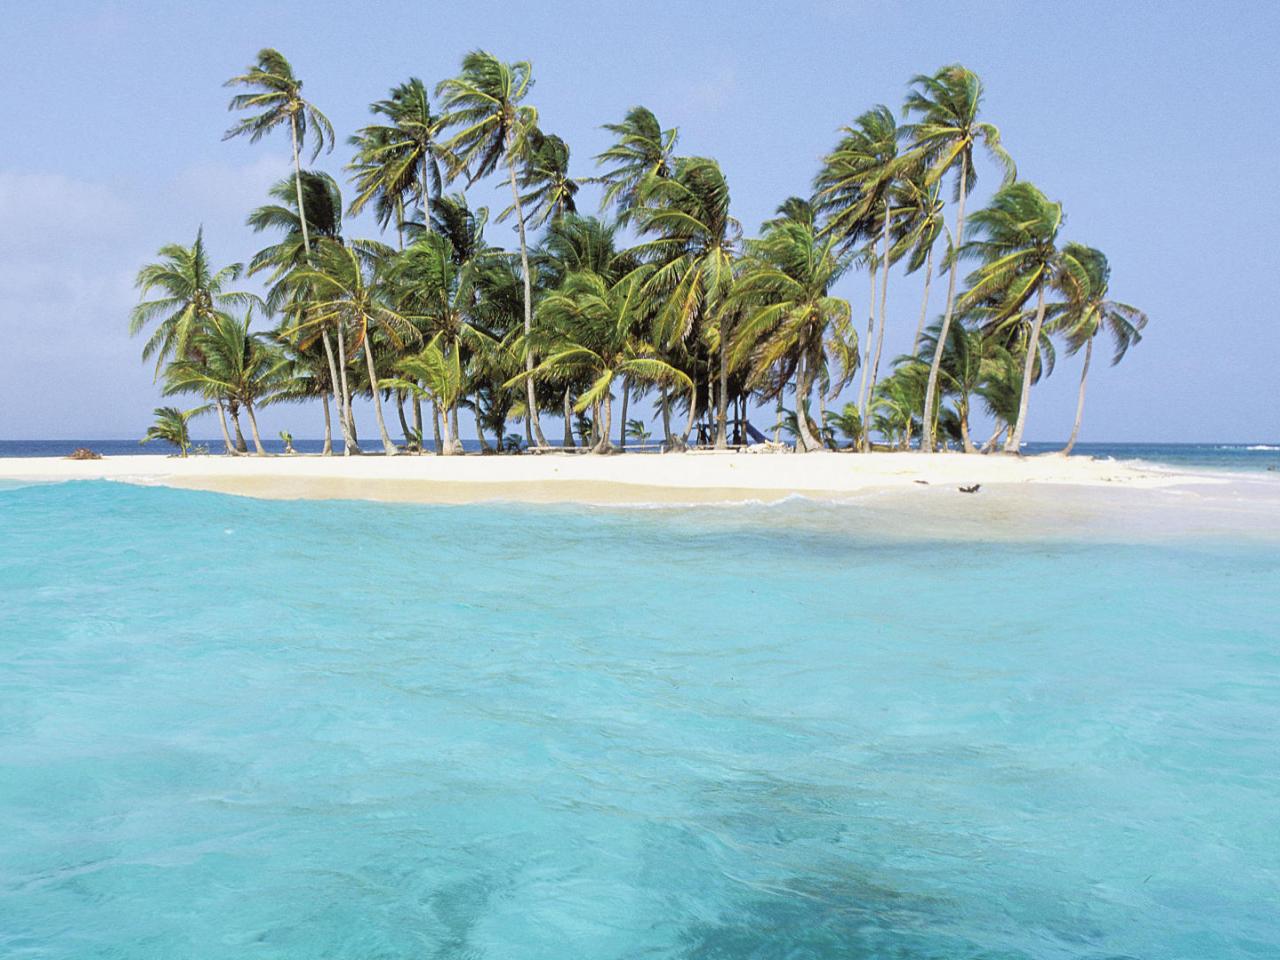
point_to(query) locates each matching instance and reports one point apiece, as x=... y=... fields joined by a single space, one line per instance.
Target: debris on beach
x=84 y=453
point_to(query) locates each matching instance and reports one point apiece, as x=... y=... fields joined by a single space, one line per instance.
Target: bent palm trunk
x=1014 y=443
x=388 y=447
x=622 y=434
x=931 y=390
x=253 y=429
x=222 y=422
x=1084 y=374
x=568 y=422
x=350 y=446
x=924 y=304
x=241 y=446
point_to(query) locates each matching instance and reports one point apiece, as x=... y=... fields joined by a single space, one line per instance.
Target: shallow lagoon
x=233 y=728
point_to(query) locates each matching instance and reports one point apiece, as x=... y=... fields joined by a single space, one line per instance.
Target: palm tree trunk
x=568 y=422
x=388 y=447
x=1014 y=443
x=931 y=391
x=1084 y=375
x=435 y=427
x=417 y=420
x=866 y=355
x=777 y=423
x=447 y=449
x=804 y=392
x=664 y=404
x=241 y=446
x=884 y=298
x=924 y=304
x=991 y=440
x=693 y=413
x=530 y=395
x=327 y=449
x=484 y=444
x=453 y=429
x=626 y=397
x=350 y=445
x=222 y=422
x=605 y=418
x=722 y=393
x=253 y=429
x=962 y=410
x=404 y=421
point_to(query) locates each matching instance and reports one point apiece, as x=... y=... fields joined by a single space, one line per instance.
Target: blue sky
x=1156 y=124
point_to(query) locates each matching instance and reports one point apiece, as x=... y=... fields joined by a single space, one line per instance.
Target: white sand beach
x=894 y=492
x=558 y=477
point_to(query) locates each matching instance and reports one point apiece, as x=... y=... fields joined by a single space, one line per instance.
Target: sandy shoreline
x=696 y=477
x=894 y=494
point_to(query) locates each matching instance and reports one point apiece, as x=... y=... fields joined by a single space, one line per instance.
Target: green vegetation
x=691 y=314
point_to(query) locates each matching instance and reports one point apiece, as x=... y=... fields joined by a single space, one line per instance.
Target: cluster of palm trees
x=659 y=295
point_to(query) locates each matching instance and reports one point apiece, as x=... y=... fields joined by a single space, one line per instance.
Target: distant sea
x=1215 y=456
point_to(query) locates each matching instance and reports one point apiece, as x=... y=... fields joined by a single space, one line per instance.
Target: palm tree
x=171 y=427
x=1016 y=237
x=1085 y=316
x=322 y=202
x=942 y=138
x=855 y=193
x=790 y=319
x=432 y=290
x=545 y=173
x=435 y=372
x=594 y=329
x=193 y=298
x=695 y=244
x=921 y=227
x=233 y=365
x=398 y=159
x=637 y=431
x=322 y=199
x=275 y=98
x=483 y=104
x=961 y=372
x=643 y=149
x=347 y=289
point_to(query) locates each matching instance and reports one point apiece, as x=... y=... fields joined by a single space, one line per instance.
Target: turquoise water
x=242 y=729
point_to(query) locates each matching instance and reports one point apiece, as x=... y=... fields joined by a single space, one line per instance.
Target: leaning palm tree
x=275 y=98
x=436 y=373
x=483 y=106
x=321 y=222
x=918 y=234
x=855 y=191
x=694 y=242
x=1016 y=238
x=398 y=158
x=233 y=365
x=193 y=296
x=545 y=174
x=171 y=427
x=943 y=135
x=1091 y=312
x=595 y=329
x=348 y=289
x=642 y=149
x=789 y=315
